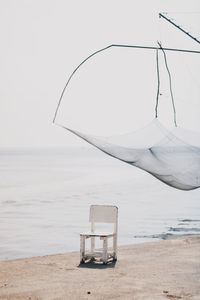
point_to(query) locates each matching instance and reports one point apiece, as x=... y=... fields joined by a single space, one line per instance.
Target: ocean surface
x=45 y=196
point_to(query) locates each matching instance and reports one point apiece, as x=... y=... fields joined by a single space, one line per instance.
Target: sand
x=156 y=270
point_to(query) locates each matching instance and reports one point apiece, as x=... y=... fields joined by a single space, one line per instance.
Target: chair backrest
x=104 y=214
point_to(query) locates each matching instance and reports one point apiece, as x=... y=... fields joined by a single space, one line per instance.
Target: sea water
x=45 y=196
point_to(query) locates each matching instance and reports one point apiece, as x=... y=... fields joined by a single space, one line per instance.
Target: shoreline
x=168 y=269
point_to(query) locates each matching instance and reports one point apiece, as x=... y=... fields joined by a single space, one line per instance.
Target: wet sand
x=157 y=270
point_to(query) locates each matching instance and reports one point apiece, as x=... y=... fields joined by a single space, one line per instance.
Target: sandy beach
x=155 y=270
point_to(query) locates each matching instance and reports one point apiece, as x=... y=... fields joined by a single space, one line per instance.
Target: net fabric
x=165 y=154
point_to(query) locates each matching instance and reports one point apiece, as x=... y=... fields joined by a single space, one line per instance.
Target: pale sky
x=42 y=42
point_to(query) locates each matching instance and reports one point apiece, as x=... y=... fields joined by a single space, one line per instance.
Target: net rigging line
x=158 y=87
x=170 y=84
x=106 y=48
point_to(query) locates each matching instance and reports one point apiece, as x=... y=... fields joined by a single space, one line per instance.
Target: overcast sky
x=42 y=41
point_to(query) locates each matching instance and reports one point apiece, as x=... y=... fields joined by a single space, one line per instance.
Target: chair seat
x=97 y=234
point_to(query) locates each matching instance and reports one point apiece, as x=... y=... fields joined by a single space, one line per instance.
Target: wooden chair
x=100 y=214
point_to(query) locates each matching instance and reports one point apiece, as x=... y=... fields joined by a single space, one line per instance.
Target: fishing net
x=172 y=156
x=156 y=150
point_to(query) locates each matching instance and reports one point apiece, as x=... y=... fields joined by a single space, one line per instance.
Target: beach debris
x=170 y=296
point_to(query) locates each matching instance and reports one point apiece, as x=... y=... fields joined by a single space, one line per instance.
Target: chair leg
x=115 y=247
x=92 y=244
x=105 y=250
x=82 y=249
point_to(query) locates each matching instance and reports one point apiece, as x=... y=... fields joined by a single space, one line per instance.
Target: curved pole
x=75 y=70
x=105 y=48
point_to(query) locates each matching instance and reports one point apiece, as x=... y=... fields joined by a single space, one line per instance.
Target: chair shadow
x=97 y=265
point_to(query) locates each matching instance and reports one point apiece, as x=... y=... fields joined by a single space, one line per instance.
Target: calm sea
x=45 y=196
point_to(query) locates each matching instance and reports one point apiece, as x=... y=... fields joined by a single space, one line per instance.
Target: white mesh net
x=156 y=150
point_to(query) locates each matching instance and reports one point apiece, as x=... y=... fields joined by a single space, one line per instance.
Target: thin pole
x=106 y=48
x=152 y=48
x=177 y=26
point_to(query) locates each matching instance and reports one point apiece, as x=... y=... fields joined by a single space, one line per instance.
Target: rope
x=158 y=89
x=170 y=83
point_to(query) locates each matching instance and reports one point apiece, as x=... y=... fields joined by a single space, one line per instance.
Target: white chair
x=100 y=214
